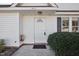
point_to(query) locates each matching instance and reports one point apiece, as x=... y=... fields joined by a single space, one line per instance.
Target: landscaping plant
x=2 y=47
x=64 y=43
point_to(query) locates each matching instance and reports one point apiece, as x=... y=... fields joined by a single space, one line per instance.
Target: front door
x=40 y=30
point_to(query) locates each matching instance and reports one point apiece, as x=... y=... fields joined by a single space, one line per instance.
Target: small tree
x=2 y=47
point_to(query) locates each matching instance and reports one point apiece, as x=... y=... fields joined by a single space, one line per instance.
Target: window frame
x=75 y=26
x=70 y=23
x=64 y=26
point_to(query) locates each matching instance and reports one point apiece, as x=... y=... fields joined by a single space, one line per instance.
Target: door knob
x=44 y=33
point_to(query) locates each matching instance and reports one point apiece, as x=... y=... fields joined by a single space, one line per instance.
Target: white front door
x=40 y=30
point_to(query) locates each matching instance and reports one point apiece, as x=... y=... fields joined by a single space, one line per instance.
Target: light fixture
x=39 y=12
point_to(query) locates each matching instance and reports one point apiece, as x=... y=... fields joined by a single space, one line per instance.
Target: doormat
x=39 y=46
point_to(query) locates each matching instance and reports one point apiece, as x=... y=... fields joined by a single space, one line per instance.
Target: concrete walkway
x=27 y=50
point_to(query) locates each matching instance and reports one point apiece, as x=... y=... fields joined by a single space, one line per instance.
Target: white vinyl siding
x=9 y=28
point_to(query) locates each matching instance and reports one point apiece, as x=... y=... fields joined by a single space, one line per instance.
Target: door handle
x=44 y=33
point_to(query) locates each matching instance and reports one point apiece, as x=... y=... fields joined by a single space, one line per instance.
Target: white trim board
x=28 y=8
x=67 y=12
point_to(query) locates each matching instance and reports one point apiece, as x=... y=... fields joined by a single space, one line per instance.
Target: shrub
x=64 y=43
x=2 y=47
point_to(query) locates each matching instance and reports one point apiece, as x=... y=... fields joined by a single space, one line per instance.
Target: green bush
x=64 y=43
x=2 y=47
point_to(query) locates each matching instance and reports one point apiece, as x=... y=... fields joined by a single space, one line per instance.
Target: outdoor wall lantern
x=39 y=12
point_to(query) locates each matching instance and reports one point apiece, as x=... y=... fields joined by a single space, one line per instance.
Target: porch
x=35 y=26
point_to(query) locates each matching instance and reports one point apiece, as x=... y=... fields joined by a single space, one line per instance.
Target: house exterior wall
x=9 y=28
x=13 y=24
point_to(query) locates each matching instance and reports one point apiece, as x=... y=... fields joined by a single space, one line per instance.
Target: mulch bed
x=8 y=51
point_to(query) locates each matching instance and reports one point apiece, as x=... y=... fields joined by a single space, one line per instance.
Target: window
x=68 y=24
x=65 y=24
x=75 y=24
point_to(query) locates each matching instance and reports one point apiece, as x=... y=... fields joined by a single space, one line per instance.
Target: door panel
x=40 y=30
